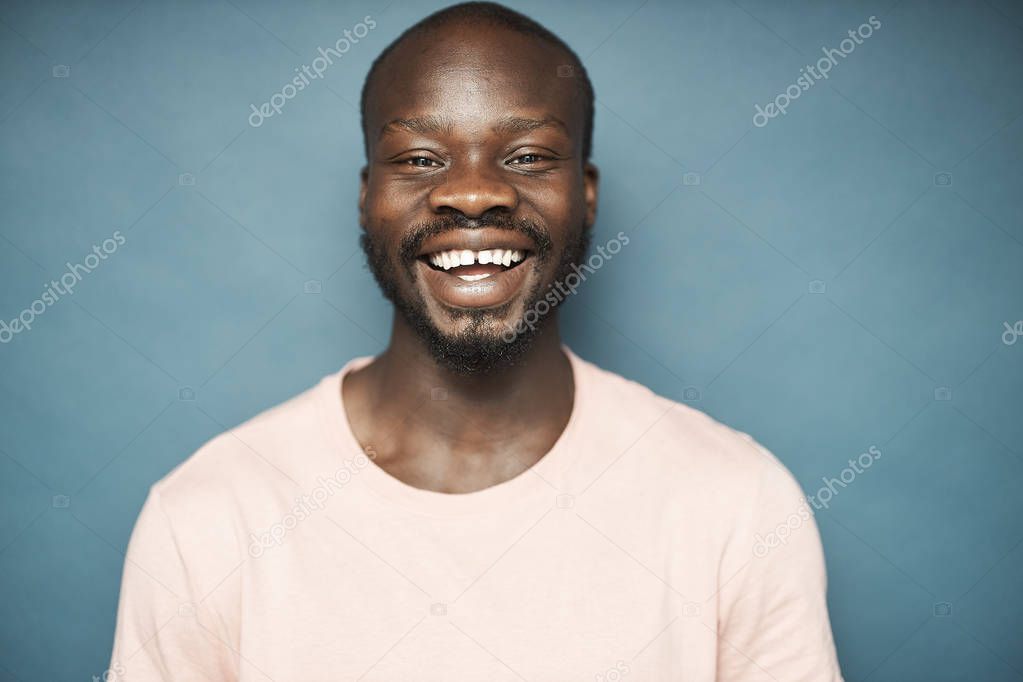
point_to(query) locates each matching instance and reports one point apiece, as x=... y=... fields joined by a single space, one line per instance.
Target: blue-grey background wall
x=846 y=275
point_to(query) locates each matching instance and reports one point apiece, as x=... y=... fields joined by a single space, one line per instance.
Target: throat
x=439 y=432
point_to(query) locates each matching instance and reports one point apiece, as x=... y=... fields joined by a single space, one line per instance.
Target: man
x=476 y=502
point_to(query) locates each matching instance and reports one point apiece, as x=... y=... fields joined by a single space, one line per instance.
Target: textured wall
x=843 y=274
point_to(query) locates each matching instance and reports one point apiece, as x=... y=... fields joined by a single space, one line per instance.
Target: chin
x=472 y=342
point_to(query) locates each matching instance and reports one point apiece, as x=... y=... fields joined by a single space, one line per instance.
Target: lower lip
x=489 y=292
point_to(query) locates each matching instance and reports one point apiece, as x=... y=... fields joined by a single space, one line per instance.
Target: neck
x=441 y=430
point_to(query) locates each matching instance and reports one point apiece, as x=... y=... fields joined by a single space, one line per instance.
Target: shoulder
x=676 y=450
x=254 y=462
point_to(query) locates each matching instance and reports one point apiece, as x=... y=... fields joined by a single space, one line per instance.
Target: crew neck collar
x=543 y=479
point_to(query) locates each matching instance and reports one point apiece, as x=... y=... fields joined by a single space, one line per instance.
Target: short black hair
x=496 y=15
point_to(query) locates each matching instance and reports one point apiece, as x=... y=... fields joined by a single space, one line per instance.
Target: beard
x=478 y=348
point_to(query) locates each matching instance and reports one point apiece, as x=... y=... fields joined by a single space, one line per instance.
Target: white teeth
x=458 y=257
x=473 y=278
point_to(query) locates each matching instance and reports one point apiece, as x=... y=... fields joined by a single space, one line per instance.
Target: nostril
x=473 y=198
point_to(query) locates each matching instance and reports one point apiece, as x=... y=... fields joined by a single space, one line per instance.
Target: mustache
x=412 y=242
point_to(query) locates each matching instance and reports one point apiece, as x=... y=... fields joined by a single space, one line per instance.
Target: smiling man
x=476 y=502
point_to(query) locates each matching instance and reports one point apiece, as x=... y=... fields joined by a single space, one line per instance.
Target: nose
x=472 y=191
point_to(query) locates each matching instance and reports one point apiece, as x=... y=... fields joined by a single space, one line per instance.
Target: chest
x=551 y=598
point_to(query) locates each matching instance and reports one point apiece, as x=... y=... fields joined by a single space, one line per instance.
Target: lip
x=477 y=240
x=493 y=291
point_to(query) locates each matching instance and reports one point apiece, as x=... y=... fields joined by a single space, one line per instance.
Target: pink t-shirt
x=650 y=543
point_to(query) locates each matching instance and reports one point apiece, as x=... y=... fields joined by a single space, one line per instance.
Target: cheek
x=387 y=215
x=389 y=199
x=564 y=211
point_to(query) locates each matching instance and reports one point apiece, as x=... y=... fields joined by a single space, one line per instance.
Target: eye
x=421 y=162
x=524 y=159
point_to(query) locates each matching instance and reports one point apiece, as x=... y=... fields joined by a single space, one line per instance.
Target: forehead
x=468 y=77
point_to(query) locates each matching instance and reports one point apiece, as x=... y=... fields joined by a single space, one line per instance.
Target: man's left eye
x=528 y=158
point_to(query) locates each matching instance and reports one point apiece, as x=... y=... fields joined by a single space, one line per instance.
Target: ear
x=363 y=182
x=591 y=178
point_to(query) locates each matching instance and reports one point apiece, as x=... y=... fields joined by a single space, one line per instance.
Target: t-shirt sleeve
x=165 y=630
x=774 y=617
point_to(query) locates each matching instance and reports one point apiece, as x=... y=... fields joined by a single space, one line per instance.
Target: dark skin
x=469 y=119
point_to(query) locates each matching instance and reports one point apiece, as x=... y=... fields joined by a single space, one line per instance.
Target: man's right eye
x=421 y=162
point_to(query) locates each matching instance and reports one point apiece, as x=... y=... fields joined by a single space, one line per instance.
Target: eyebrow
x=423 y=125
x=432 y=125
x=517 y=124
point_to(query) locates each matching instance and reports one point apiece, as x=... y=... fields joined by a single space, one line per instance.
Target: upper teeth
x=455 y=258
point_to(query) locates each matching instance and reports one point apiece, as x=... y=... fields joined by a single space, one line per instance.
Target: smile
x=480 y=268
x=464 y=260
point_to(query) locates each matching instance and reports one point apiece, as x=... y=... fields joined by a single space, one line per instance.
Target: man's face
x=475 y=200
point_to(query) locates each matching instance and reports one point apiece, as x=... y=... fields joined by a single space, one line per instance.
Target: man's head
x=478 y=195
